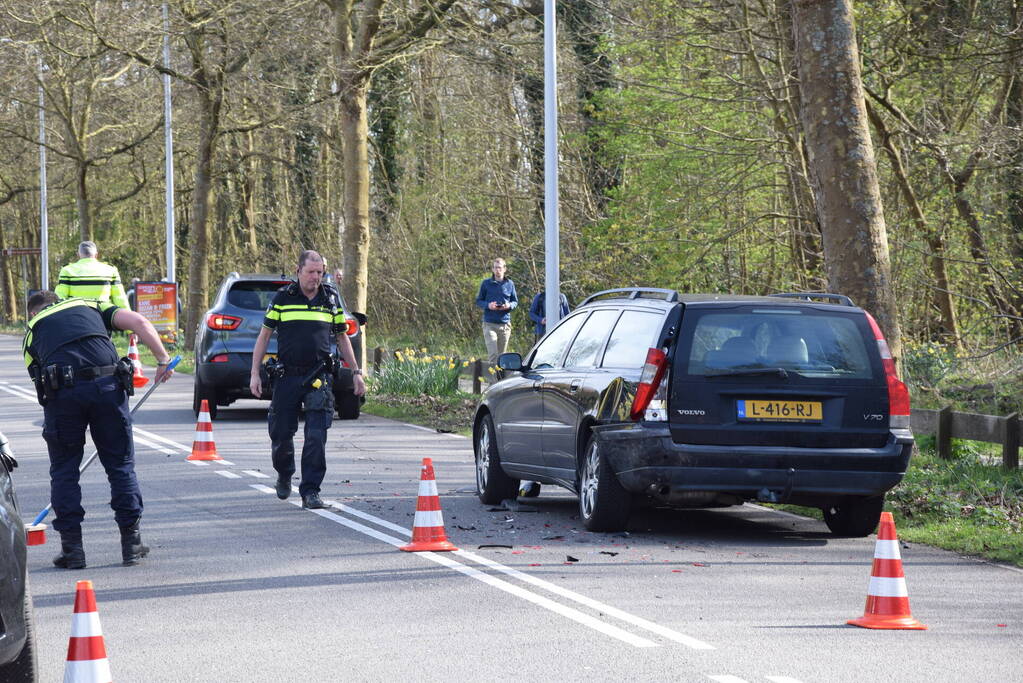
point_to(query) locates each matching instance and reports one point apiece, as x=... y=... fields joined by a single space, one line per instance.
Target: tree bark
x=355 y=161
x=841 y=156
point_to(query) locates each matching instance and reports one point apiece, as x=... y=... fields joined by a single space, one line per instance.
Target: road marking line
x=726 y=678
x=162 y=439
x=257 y=475
x=425 y=429
x=518 y=591
x=783 y=679
x=199 y=463
x=546 y=585
x=19 y=392
x=590 y=602
x=228 y=473
x=154 y=446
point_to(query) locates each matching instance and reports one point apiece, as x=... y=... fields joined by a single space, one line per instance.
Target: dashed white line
x=257 y=475
x=228 y=473
x=199 y=463
x=782 y=679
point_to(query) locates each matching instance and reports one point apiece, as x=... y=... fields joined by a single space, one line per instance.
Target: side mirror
x=509 y=361
x=361 y=317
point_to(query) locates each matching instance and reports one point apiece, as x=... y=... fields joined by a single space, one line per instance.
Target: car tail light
x=217 y=321
x=352 y=327
x=649 y=382
x=898 y=394
x=219 y=358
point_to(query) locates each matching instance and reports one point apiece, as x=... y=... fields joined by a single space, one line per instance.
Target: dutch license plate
x=761 y=410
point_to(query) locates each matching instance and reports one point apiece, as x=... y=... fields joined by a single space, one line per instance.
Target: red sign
x=20 y=251
x=158 y=303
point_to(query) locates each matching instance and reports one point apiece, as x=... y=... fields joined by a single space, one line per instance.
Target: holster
x=273 y=369
x=37 y=380
x=125 y=373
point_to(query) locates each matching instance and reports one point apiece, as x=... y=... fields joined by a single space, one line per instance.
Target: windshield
x=808 y=342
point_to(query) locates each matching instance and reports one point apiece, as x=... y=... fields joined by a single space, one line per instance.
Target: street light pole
x=44 y=223
x=552 y=260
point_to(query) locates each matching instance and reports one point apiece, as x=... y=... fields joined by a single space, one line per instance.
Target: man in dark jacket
x=497 y=298
x=81 y=384
x=538 y=312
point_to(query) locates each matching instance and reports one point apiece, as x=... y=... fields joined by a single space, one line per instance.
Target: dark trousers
x=102 y=406
x=288 y=396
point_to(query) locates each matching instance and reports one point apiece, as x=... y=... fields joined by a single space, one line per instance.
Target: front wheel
x=492 y=484
x=856 y=517
x=25 y=666
x=603 y=504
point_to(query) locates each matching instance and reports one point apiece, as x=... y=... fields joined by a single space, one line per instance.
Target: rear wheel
x=201 y=391
x=348 y=405
x=855 y=517
x=492 y=484
x=25 y=666
x=603 y=504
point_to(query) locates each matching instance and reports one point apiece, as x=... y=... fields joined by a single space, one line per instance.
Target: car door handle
x=574 y=386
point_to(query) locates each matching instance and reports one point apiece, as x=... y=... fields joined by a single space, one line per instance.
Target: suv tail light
x=218 y=321
x=649 y=383
x=898 y=394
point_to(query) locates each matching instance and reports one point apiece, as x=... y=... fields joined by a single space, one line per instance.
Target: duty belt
x=95 y=372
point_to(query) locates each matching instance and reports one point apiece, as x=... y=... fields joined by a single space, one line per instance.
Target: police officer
x=81 y=383
x=305 y=316
x=90 y=278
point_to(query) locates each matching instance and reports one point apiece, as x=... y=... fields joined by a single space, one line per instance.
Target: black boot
x=72 y=554
x=132 y=549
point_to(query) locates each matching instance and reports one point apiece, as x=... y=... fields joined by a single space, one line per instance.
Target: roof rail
x=841 y=299
x=633 y=293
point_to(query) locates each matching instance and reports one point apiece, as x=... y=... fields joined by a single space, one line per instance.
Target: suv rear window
x=253 y=295
x=810 y=343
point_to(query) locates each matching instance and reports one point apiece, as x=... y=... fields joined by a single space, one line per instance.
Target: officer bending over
x=81 y=383
x=305 y=316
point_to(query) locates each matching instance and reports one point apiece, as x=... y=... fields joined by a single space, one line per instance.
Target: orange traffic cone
x=138 y=379
x=887 y=599
x=428 y=528
x=203 y=447
x=86 y=652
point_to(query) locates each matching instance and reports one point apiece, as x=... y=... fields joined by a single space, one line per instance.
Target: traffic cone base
x=137 y=378
x=887 y=598
x=428 y=528
x=203 y=447
x=86 y=652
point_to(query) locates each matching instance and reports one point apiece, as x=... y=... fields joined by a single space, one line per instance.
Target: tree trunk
x=82 y=200
x=198 y=273
x=841 y=158
x=355 y=161
x=7 y=279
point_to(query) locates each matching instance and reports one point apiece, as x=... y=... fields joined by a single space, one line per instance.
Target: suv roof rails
x=633 y=293
x=841 y=299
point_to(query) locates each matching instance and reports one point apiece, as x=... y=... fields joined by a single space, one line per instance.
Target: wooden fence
x=944 y=424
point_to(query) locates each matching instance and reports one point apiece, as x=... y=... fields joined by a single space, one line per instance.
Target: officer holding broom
x=81 y=383
x=305 y=315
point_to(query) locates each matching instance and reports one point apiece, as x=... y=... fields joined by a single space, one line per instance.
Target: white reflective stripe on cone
x=887 y=550
x=427 y=487
x=85 y=625
x=90 y=671
x=887 y=587
x=426 y=518
x=204 y=437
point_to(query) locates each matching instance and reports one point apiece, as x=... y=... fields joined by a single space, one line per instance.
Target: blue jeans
x=102 y=406
x=283 y=423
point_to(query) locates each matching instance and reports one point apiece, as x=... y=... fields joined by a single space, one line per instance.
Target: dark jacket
x=502 y=292
x=538 y=311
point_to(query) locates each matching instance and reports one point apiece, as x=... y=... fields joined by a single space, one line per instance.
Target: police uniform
x=90 y=278
x=70 y=356
x=304 y=329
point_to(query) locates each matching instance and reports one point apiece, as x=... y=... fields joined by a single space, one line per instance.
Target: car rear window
x=810 y=343
x=253 y=296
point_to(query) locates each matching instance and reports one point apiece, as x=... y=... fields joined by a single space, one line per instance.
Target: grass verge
x=444 y=413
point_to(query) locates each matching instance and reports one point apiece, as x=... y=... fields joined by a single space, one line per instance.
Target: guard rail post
x=477 y=374
x=943 y=434
x=1010 y=441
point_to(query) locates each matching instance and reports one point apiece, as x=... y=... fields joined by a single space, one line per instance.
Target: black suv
x=18 y=659
x=701 y=401
x=227 y=335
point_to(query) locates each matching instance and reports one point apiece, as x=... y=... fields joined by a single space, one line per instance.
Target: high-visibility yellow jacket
x=89 y=278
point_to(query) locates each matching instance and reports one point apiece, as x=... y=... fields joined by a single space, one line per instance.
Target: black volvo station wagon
x=701 y=400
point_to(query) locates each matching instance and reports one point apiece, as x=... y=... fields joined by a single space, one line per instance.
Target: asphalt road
x=241 y=586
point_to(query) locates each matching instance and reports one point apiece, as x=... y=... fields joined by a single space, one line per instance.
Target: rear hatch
x=778 y=374
x=237 y=320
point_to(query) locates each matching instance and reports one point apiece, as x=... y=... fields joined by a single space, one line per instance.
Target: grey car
x=227 y=335
x=17 y=637
x=708 y=400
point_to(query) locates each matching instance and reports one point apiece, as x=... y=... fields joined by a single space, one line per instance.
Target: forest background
x=404 y=141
